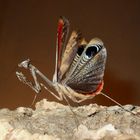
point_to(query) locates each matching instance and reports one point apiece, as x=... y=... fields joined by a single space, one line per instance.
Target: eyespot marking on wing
x=92 y=50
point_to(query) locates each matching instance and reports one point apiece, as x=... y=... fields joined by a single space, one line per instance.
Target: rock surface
x=54 y=121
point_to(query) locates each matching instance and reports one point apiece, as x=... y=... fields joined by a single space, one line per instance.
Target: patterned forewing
x=69 y=53
x=88 y=78
x=62 y=34
x=73 y=66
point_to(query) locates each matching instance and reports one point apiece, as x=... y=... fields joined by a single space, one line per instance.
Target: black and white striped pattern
x=87 y=69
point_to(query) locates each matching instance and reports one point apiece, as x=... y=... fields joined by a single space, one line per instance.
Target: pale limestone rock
x=54 y=121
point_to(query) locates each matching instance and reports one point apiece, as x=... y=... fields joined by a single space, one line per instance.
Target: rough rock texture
x=54 y=121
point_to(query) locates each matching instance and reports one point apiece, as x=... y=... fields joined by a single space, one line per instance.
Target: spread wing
x=69 y=54
x=85 y=75
x=79 y=65
x=62 y=35
x=64 y=53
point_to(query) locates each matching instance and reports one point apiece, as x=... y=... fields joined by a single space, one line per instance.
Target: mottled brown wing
x=69 y=54
x=86 y=76
x=65 y=52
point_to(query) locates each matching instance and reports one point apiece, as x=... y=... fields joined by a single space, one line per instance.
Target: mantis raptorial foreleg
x=34 y=72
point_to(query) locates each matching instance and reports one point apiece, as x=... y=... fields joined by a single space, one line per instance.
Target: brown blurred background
x=28 y=30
